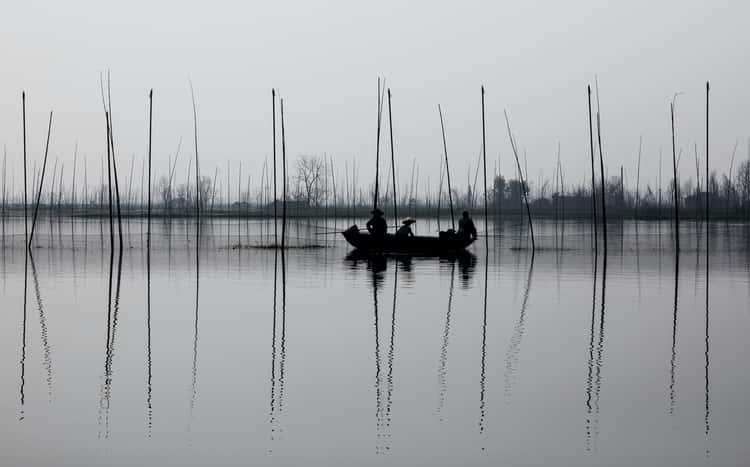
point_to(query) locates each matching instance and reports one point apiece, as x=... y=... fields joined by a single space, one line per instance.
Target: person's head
x=466 y=214
x=376 y=212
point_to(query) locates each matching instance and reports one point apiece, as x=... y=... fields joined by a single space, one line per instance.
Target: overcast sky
x=534 y=57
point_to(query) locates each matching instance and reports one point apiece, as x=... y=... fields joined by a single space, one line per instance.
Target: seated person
x=466 y=226
x=377 y=225
x=405 y=230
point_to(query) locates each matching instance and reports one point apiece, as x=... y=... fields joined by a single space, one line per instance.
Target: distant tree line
x=315 y=187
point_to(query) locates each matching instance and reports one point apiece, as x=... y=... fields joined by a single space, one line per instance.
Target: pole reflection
x=272 y=413
x=391 y=357
x=443 y=366
x=590 y=366
x=46 y=348
x=483 y=374
x=600 y=351
x=377 y=279
x=194 y=381
x=23 y=333
x=113 y=307
x=149 y=405
x=707 y=405
x=511 y=355
x=673 y=359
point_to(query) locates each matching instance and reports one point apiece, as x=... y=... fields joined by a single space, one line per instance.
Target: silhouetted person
x=376 y=225
x=405 y=230
x=466 y=226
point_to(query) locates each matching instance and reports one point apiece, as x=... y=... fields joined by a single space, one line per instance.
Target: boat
x=445 y=243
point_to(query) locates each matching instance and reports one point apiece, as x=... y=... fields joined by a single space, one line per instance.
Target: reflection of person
x=405 y=230
x=466 y=226
x=376 y=225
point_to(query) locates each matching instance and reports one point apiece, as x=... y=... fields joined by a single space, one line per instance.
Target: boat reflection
x=378 y=263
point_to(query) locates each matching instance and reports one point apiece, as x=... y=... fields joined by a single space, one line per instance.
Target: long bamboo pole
x=675 y=185
x=708 y=184
x=393 y=162
x=601 y=169
x=283 y=174
x=197 y=178
x=447 y=168
x=275 y=213
x=484 y=162
x=114 y=162
x=523 y=184
x=25 y=184
x=41 y=181
x=148 y=215
x=109 y=189
x=377 y=143
x=638 y=178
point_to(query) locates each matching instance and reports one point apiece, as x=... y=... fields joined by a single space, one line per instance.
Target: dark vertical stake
x=114 y=171
x=675 y=185
x=393 y=162
x=708 y=183
x=524 y=186
x=447 y=169
x=25 y=184
x=484 y=162
x=109 y=188
x=148 y=227
x=377 y=154
x=41 y=181
x=197 y=166
x=638 y=178
x=283 y=174
x=377 y=145
x=601 y=169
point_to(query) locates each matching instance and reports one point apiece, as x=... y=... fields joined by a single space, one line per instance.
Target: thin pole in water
x=638 y=178
x=25 y=185
x=484 y=162
x=523 y=185
x=393 y=161
x=601 y=169
x=675 y=184
x=41 y=181
x=377 y=143
x=447 y=169
x=283 y=174
x=708 y=185
x=148 y=216
x=273 y=119
x=114 y=162
x=109 y=189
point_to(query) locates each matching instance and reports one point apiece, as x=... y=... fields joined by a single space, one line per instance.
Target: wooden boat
x=446 y=243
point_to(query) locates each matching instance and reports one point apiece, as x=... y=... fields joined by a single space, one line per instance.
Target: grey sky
x=535 y=59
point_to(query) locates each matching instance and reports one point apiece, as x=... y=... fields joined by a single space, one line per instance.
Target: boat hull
x=445 y=243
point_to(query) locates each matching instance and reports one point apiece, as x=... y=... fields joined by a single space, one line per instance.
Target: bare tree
x=309 y=179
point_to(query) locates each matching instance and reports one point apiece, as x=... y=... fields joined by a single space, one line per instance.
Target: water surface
x=319 y=357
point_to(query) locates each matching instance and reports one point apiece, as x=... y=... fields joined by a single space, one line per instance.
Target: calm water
x=321 y=358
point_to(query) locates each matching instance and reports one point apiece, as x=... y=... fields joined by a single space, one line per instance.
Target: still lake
x=324 y=358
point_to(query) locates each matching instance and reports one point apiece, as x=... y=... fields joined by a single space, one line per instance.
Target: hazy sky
x=534 y=57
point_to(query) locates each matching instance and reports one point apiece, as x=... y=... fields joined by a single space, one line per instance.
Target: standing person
x=377 y=225
x=466 y=226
